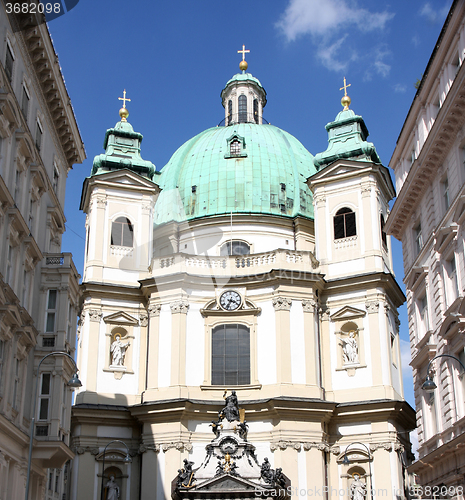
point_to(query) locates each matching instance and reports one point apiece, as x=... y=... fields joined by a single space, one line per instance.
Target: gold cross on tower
x=123 y=112
x=345 y=101
x=243 y=64
x=124 y=98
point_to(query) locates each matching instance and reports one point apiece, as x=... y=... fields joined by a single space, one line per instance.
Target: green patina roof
x=122 y=150
x=347 y=139
x=268 y=178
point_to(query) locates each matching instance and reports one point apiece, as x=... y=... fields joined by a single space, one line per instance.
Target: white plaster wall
x=195 y=346
x=297 y=343
x=266 y=344
x=83 y=355
x=161 y=476
x=385 y=348
x=351 y=429
x=114 y=432
x=164 y=352
x=340 y=268
x=302 y=469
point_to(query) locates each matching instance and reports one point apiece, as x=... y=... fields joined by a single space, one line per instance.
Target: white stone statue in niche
x=350 y=348
x=118 y=351
x=358 y=489
x=112 y=489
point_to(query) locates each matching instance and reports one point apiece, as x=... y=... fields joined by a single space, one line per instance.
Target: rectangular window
x=25 y=102
x=50 y=480
x=2 y=358
x=38 y=135
x=30 y=221
x=231 y=355
x=56 y=178
x=57 y=480
x=9 y=266
x=25 y=289
x=70 y=323
x=17 y=186
x=16 y=383
x=445 y=193
x=433 y=427
x=44 y=399
x=418 y=239
x=453 y=286
x=51 y=311
x=9 y=61
x=423 y=313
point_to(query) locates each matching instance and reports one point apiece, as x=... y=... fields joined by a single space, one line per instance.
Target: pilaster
x=282 y=307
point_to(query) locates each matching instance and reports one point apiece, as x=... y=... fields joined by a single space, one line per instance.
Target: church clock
x=230 y=300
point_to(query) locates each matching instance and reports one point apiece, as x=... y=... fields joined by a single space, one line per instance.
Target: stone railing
x=121 y=251
x=344 y=243
x=240 y=265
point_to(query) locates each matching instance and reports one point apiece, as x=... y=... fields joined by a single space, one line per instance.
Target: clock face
x=228 y=445
x=230 y=300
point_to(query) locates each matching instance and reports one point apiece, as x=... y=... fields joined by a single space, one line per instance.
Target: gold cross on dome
x=345 y=86
x=124 y=99
x=243 y=52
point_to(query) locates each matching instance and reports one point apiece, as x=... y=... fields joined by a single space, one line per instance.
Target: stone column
x=150 y=470
x=282 y=307
x=154 y=332
x=326 y=382
x=372 y=307
x=178 y=342
x=310 y=334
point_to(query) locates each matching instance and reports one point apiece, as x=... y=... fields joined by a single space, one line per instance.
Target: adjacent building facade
x=428 y=217
x=245 y=264
x=39 y=286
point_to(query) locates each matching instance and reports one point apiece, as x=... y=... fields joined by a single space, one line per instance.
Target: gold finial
x=346 y=100
x=123 y=112
x=243 y=64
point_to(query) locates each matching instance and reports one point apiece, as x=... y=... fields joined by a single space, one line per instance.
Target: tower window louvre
x=344 y=223
x=383 y=232
x=255 y=110
x=229 y=111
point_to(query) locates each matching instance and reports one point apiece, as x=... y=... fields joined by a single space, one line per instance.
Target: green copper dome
x=243 y=168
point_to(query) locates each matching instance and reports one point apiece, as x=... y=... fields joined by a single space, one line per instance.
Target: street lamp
x=73 y=382
x=126 y=460
x=428 y=384
x=346 y=461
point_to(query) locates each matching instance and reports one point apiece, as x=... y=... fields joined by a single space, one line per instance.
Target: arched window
x=231 y=355
x=229 y=111
x=122 y=232
x=235 y=148
x=383 y=232
x=344 y=223
x=255 y=110
x=242 y=109
x=235 y=248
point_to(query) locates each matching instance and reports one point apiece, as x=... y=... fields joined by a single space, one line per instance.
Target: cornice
x=449 y=121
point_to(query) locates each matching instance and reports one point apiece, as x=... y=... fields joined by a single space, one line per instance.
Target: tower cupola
x=243 y=97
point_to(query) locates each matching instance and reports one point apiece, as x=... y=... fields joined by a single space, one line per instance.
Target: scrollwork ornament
x=282 y=303
x=144 y=320
x=95 y=315
x=308 y=305
x=372 y=306
x=180 y=306
x=154 y=309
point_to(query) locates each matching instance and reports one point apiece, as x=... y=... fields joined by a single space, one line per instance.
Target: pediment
x=338 y=168
x=121 y=318
x=125 y=176
x=347 y=312
x=415 y=277
x=444 y=236
x=225 y=483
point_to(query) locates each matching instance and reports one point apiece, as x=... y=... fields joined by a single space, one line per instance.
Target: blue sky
x=174 y=58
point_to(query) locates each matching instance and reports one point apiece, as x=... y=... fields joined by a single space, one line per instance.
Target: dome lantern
x=243 y=97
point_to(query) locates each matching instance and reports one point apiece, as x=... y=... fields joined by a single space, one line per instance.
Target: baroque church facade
x=246 y=264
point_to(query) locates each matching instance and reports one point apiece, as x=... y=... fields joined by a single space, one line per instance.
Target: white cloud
x=414 y=441
x=324 y=22
x=435 y=16
x=400 y=88
x=322 y=18
x=406 y=357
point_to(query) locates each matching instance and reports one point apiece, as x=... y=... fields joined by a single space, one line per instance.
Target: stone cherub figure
x=350 y=348
x=118 y=351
